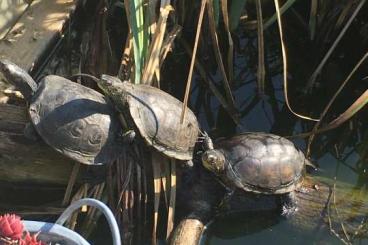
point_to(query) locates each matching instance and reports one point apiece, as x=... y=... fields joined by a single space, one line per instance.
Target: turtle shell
x=76 y=121
x=157 y=114
x=262 y=163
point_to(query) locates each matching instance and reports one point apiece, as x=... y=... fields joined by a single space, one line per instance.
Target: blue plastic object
x=56 y=233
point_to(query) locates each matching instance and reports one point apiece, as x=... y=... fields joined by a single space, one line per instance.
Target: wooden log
x=36 y=31
x=10 y=11
x=198 y=198
x=319 y=206
x=24 y=160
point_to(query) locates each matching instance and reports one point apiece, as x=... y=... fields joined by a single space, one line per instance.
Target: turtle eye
x=106 y=82
x=212 y=158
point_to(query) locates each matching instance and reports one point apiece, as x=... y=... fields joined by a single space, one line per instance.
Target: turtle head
x=214 y=160
x=107 y=83
x=112 y=86
x=13 y=74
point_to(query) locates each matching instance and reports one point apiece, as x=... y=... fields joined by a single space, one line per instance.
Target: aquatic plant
x=12 y=232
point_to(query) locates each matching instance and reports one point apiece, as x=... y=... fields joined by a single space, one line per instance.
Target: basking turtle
x=156 y=115
x=257 y=162
x=75 y=120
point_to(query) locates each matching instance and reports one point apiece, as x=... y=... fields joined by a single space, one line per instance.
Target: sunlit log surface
x=36 y=31
x=10 y=11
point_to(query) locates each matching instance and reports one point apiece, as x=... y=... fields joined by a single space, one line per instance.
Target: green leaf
x=216 y=11
x=236 y=10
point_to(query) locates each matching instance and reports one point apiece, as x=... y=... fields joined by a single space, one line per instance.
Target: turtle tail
x=18 y=77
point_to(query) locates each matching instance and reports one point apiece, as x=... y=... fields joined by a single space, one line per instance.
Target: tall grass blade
x=131 y=14
x=352 y=109
x=134 y=10
x=313 y=18
x=171 y=213
x=218 y=55
x=189 y=81
x=165 y=181
x=156 y=160
x=124 y=71
x=282 y=10
x=151 y=11
x=261 y=71
x=230 y=52
x=236 y=9
x=344 y=14
x=153 y=56
x=140 y=218
x=168 y=42
x=206 y=78
x=284 y=58
x=71 y=182
x=342 y=118
x=216 y=11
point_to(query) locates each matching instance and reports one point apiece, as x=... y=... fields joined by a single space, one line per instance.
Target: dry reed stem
x=165 y=179
x=92 y=216
x=284 y=58
x=171 y=214
x=81 y=193
x=71 y=183
x=261 y=72
x=189 y=81
x=156 y=159
x=230 y=53
x=313 y=77
x=168 y=43
x=124 y=70
x=313 y=18
x=218 y=56
x=139 y=204
x=153 y=60
x=202 y=72
x=152 y=16
x=345 y=116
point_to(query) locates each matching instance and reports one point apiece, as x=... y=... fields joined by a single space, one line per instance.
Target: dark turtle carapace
x=75 y=120
x=257 y=162
x=156 y=115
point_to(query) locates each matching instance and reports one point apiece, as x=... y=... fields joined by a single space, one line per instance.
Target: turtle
x=76 y=121
x=155 y=114
x=258 y=162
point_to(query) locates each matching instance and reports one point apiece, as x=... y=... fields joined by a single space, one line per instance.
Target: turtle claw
x=290 y=205
x=189 y=164
x=225 y=202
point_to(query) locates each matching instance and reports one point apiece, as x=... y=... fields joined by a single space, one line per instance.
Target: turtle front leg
x=289 y=204
x=225 y=202
x=31 y=133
